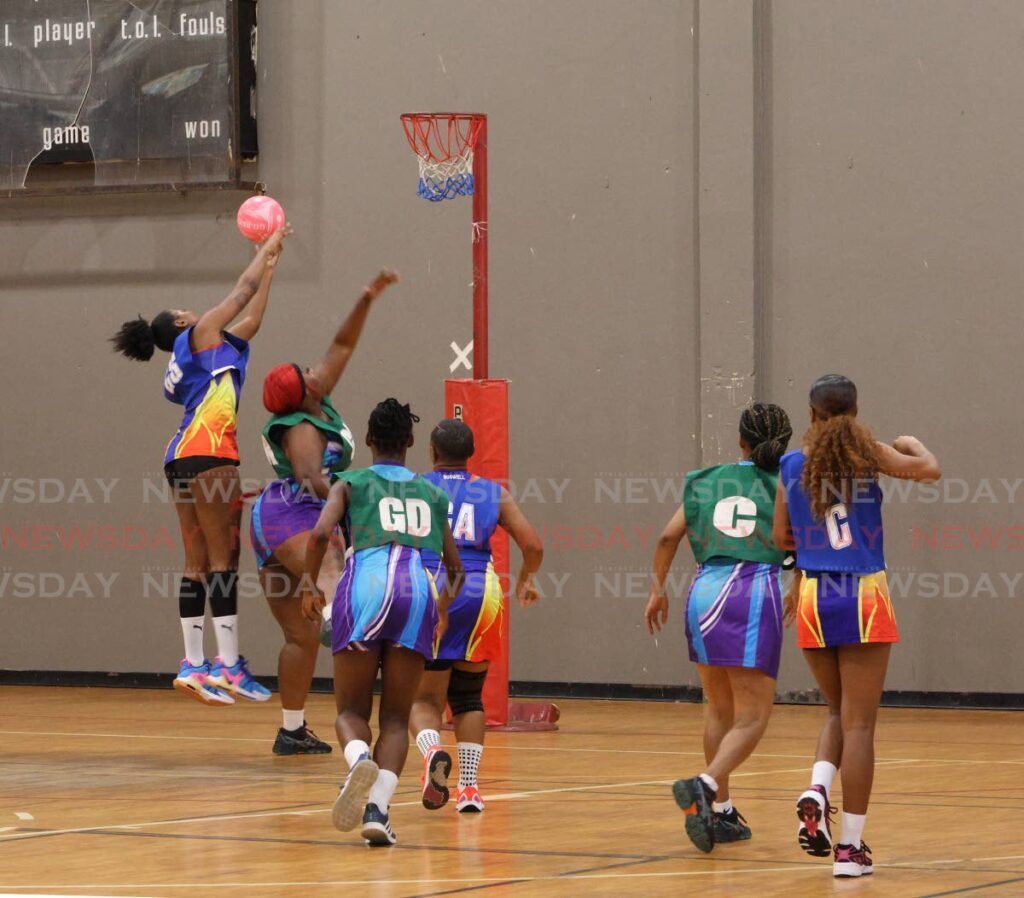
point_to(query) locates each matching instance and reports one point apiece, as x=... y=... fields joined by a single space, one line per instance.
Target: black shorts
x=438 y=664
x=180 y=472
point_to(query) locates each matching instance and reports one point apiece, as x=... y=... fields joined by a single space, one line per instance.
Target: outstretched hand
x=385 y=279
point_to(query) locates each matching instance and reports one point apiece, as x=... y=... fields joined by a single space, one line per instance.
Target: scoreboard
x=146 y=92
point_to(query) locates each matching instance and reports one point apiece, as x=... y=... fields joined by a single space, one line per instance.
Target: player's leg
x=296 y=661
x=194 y=671
x=718 y=717
x=355 y=673
x=425 y=724
x=813 y=808
x=465 y=698
x=862 y=670
x=753 y=694
x=401 y=669
x=218 y=504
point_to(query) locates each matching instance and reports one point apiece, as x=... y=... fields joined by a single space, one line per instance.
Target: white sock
x=470 y=754
x=226 y=630
x=192 y=631
x=853 y=829
x=383 y=789
x=822 y=774
x=710 y=782
x=426 y=740
x=722 y=807
x=354 y=751
x=293 y=720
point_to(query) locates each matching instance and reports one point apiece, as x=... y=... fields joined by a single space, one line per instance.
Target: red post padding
x=483 y=405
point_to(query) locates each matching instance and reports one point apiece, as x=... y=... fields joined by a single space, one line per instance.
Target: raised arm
x=249 y=326
x=303 y=444
x=782 y=532
x=313 y=600
x=908 y=459
x=512 y=519
x=329 y=369
x=208 y=329
x=656 y=613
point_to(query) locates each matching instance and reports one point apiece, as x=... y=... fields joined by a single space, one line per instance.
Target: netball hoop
x=452 y=151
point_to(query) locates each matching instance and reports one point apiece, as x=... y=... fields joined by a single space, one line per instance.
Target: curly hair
x=765 y=428
x=839 y=449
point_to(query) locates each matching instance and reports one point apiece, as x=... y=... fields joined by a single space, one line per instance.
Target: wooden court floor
x=144 y=793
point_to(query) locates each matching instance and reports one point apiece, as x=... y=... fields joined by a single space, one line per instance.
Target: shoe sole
x=698 y=827
x=348 y=809
x=471 y=808
x=813 y=837
x=200 y=696
x=376 y=834
x=435 y=788
x=850 y=871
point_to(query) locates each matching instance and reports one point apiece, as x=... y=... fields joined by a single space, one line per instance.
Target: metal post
x=480 y=254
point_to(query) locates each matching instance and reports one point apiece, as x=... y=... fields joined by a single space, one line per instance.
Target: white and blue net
x=445 y=180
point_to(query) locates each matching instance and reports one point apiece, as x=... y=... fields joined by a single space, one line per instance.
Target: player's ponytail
x=840 y=451
x=765 y=428
x=138 y=339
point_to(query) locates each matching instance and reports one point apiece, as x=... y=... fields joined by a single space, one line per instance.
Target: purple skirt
x=734 y=616
x=281 y=512
x=384 y=597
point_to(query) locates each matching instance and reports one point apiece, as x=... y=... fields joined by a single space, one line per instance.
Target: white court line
x=23 y=815
x=502 y=796
x=496 y=747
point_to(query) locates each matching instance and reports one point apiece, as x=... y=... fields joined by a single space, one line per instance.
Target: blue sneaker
x=194 y=680
x=237 y=680
x=377 y=827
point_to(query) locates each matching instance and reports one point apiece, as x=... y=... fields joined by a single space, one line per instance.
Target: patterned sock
x=469 y=763
x=383 y=789
x=426 y=740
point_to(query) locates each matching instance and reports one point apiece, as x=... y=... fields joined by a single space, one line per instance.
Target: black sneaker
x=695 y=798
x=731 y=827
x=377 y=827
x=302 y=741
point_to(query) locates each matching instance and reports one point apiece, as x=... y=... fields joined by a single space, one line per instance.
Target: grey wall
x=691 y=204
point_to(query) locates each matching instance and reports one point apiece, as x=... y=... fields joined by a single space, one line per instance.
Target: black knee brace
x=191 y=598
x=465 y=689
x=223 y=592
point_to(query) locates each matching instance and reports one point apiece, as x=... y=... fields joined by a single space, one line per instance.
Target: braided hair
x=765 y=428
x=391 y=426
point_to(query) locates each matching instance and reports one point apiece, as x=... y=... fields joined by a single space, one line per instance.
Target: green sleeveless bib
x=337 y=452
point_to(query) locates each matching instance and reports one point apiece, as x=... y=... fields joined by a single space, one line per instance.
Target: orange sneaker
x=437 y=765
x=468 y=799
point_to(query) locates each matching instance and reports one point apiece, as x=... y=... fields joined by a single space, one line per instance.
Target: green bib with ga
x=408 y=511
x=729 y=513
x=337 y=450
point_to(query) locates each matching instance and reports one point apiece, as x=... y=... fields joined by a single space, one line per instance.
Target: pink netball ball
x=259 y=217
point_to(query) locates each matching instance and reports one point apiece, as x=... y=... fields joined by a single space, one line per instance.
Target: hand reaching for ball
x=385 y=279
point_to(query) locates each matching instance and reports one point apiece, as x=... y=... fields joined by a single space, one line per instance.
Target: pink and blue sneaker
x=236 y=680
x=194 y=680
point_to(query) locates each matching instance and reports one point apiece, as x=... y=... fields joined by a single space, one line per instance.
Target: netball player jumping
x=733 y=613
x=308 y=443
x=477 y=507
x=205 y=374
x=829 y=509
x=386 y=615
